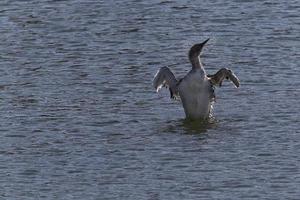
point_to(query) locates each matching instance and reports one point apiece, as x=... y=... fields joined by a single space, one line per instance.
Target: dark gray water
x=80 y=119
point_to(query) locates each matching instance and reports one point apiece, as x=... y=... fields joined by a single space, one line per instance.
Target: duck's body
x=195 y=94
x=196 y=88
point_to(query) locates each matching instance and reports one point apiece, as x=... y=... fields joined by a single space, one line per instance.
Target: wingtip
x=237 y=84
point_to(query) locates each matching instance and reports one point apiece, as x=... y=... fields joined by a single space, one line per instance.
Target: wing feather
x=222 y=74
x=165 y=77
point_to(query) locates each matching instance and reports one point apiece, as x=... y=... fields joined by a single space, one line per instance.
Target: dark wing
x=222 y=74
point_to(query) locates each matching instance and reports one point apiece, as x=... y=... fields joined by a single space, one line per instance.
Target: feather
x=164 y=77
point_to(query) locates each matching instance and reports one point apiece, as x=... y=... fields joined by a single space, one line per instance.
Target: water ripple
x=80 y=119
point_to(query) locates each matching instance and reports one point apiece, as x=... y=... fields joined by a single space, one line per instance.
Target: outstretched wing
x=223 y=73
x=164 y=77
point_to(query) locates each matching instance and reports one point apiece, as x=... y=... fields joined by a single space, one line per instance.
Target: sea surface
x=80 y=119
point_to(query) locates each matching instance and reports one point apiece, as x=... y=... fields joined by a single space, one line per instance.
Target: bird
x=196 y=90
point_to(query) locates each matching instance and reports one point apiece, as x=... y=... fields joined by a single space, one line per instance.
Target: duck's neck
x=196 y=63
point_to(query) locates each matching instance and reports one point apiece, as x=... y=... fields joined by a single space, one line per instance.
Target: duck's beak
x=203 y=43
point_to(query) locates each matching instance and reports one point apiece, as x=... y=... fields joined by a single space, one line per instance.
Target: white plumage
x=196 y=88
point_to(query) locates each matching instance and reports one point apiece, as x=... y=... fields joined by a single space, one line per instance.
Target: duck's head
x=196 y=49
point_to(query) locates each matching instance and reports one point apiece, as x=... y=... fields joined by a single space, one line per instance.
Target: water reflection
x=198 y=126
x=188 y=126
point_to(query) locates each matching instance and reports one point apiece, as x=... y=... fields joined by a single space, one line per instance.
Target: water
x=80 y=119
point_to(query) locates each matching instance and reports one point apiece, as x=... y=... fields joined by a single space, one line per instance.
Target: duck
x=196 y=90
